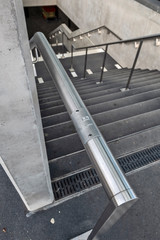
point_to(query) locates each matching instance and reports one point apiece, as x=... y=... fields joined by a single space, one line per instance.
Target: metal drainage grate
x=88 y=178
x=139 y=159
x=75 y=183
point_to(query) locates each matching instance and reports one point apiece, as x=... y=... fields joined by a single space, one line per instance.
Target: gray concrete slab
x=79 y=215
x=22 y=146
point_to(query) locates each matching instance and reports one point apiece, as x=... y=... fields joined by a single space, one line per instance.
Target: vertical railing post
x=36 y=55
x=134 y=64
x=71 y=69
x=103 y=65
x=56 y=35
x=85 y=63
x=62 y=44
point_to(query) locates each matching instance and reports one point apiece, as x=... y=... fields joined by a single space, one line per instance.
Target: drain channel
x=139 y=159
x=88 y=178
x=75 y=183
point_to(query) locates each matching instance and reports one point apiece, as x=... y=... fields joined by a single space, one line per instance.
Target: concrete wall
x=36 y=3
x=22 y=147
x=127 y=18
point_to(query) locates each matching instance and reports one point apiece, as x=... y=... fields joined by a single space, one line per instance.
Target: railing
x=55 y=33
x=85 y=33
x=119 y=191
x=139 y=39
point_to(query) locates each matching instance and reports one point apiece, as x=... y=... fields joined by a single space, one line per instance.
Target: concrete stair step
x=112 y=72
x=108 y=97
x=78 y=160
x=62 y=146
x=123 y=76
x=51 y=103
x=49 y=85
x=102 y=88
x=95 y=77
x=107 y=83
x=66 y=128
x=59 y=49
x=106 y=103
x=94 y=63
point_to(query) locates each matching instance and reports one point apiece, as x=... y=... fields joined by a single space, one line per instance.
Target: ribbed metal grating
x=75 y=183
x=88 y=178
x=139 y=159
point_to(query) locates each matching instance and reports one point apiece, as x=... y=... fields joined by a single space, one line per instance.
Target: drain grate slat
x=139 y=159
x=88 y=178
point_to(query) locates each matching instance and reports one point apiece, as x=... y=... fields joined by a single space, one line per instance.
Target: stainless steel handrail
x=118 y=189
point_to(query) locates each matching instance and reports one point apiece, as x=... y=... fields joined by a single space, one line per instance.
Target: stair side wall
x=22 y=147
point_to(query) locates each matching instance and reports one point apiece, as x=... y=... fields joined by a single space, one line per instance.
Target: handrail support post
x=134 y=64
x=56 y=40
x=63 y=45
x=103 y=65
x=71 y=68
x=36 y=55
x=85 y=63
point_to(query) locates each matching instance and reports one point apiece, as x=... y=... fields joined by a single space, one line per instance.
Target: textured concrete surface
x=71 y=218
x=22 y=146
x=79 y=215
x=126 y=18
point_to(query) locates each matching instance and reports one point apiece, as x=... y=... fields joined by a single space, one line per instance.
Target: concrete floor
x=78 y=215
x=71 y=217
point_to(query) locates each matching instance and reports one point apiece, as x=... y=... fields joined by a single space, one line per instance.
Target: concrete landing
x=77 y=216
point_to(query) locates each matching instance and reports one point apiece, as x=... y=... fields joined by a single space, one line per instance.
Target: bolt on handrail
x=119 y=191
x=137 y=39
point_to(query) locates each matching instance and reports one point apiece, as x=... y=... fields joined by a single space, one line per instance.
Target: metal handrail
x=87 y=32
x=137 y=39
x=119 y=191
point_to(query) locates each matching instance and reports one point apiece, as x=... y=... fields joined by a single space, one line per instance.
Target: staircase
x=129 y=122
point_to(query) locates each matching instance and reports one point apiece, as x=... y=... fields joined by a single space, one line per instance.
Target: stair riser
x=123 y=147
x=108 y=84
x=110 y=79
x=109 y=97
x=104 y=118
x=105 y=106
x=60 y=147
x=51 y=87
x=100 y=98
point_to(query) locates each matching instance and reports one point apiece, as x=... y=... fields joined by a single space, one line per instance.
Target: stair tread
x=95 y=107
x=121 y=128
x=106 y=85
x=120 y=148
x=102 y=102
x=129 y=120
x=100 y=88
x=142 y=89
x=109 y=81
x=103 y=118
